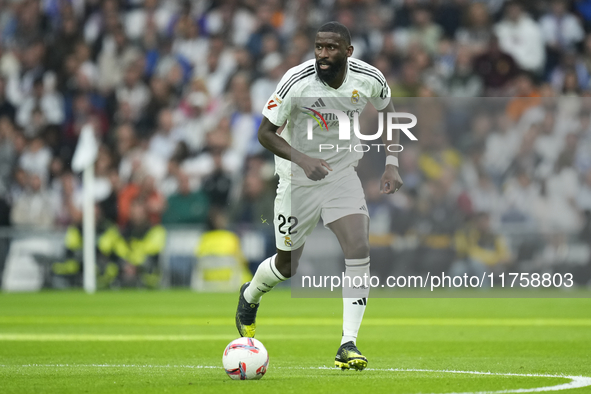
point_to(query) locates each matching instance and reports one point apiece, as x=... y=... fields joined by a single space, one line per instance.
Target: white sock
x=354 y=298
x=265 y=278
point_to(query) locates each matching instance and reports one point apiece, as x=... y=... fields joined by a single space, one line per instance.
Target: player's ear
x=350 y=50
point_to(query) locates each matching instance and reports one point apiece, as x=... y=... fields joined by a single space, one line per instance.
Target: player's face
x=331 y=53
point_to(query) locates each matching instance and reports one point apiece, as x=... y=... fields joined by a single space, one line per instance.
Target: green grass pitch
x=172 y=342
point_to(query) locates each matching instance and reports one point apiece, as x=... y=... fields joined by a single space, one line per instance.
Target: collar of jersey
x=325 y=84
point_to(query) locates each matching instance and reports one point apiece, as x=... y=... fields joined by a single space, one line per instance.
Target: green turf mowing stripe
x=575 y=381
x=295 y=321
x=137 y=337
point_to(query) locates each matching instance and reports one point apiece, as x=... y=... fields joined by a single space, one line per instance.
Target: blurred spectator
x=479 y=249
x=381 y=237
x=163 y=143
x=28 y=69
x=41 y=102
x=472 y=167
x=448 y=15
x=438 y=156
x=135 y=158
x=571 y=75
x=6 y=107
x=68 y=199
x=526 y=96
x=221 y=265
x=423 y=32
x=144 y=188
x=409 y=81
x=150 y=15
x=485 y=197
x=83 y=112
x=133 y=92
x=173 y=67
x=64 y=42
x=495 y=67
x=217 y=185
x=464 y=82
x=34 y=209
x=219 y=66
x=219 y=140
x=584 y=194
x=255 y=206
x=115 y=59
x=519 y=197
x=8 y=154
x=558 y=210
x=521 y=37
x=561 y=31
x=436 y=226
x=36 y=158
x=68 y=272
x=196 y=121
x=263 y=87
x=140 y=247
x=186 y=206
x=4 y=241
x=189 y=42
x=476 y=30
x=501 y=147
x=244 y=121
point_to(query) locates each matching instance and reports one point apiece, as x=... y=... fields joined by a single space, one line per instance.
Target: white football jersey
x=301 y=96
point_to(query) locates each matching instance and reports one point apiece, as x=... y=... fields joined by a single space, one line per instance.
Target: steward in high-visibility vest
x=107 y=268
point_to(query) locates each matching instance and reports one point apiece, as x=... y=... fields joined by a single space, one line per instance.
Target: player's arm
x=315 y=169
x=391 y=180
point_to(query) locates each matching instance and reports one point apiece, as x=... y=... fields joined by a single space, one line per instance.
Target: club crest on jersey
x=355 y=97
x=288 y=241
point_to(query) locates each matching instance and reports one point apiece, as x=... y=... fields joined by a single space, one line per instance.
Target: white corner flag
x=83 y=161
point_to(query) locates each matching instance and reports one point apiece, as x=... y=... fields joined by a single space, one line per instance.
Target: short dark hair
x=339 y=28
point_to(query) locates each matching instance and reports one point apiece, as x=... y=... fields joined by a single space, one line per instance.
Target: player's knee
x=357 y=248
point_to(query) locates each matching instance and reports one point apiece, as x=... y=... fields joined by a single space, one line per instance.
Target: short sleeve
x=381 y=94
x=277 y=108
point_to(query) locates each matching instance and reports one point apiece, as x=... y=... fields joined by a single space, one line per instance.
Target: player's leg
x=271 y=272
x=290 y=236
x=352 y=232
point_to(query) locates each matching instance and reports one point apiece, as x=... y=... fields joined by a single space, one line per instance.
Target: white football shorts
x=298 y=208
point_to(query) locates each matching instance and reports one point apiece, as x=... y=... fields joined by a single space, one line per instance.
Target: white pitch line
x=576 y=381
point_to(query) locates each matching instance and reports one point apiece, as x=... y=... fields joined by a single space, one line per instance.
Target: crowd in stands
x=175 y=88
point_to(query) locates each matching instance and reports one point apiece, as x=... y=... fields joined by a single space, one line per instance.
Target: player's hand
x=315 y=169
x=391 y=180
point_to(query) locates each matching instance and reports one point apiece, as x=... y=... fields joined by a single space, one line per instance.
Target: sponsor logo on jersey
x=271 y=104
x=355 y=97
x=318 y=103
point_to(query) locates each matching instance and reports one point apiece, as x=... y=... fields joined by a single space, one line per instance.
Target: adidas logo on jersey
x=318 y=103
x=363 y=208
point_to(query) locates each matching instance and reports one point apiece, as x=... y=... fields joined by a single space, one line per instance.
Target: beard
x=329 y=75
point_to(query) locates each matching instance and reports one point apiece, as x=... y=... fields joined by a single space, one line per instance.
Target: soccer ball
x=245 y=359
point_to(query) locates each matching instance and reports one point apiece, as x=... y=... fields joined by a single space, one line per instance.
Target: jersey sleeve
x=381 y=94
x=276 y=108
